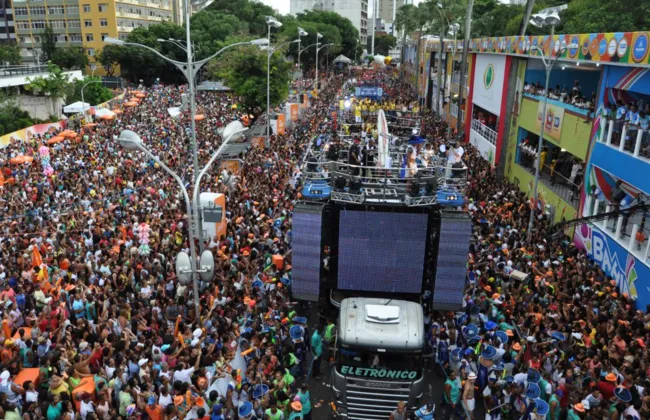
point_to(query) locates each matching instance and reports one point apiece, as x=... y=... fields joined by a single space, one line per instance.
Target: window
x=72 y=10
x=22 y=25
x=104 y=36
x=122 y=36
x=75 y=38
x=88 y=23
x=38 y=24
x=62 y=38
x=103 y=22
x=103 y=7
x=74 y=23
x=89 y=38
x=37 y=10
x=55 y=10
x=91 y=52
x=57 y=24
x=37 y=39
x=20 y=11
x=86 y=8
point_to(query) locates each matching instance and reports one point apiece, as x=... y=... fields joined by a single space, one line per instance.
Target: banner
x=383 y=139
x=294 y=112
x=26 y=134
x=231 y=165
x=258 y=141
x=553 y=121
x=368 y=91
x=281 y=125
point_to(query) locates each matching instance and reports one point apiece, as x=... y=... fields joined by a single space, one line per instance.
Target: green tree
x=589 y=16
x=54 y=85
x=109 y=57
x=384 y=43
x=331 y=34
x=244 y=71
x=349 y=35
x=405 y=21
x=10 y=53
x=48 y=44
x=252 y=13
x=94 y=93
x=70 y=58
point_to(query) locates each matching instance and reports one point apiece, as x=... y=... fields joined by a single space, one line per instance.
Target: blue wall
x=587 y=79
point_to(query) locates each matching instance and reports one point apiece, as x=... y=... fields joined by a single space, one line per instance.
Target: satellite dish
x=183 y=268
x=207 y=263
x=233 y=129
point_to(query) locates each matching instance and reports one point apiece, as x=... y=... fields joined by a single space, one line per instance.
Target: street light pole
x=301 y=33
x=318 y=37
x=83 y=102
x=540 y=20
x=270 y=22
x=453 y=30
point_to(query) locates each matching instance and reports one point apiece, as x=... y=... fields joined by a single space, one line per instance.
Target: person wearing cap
x=153 y=409
x=468 y=394
x=296 y=411
x=576 y=412
x=426 y=412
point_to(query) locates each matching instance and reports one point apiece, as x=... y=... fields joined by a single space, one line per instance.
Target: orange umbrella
x=139 y=95
x=55 y=139
x=117 y=111
x=21 y=159
x=68 y=134
x=130 y=104
x=199 y=117
x=135 y=100
x=107 y=117
x=90 y=125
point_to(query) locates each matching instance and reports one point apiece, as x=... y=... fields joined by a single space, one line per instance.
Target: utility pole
x=374 y=16
x=463 y=66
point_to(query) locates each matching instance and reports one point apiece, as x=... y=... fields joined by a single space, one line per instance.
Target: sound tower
x=307 y=237
x=449 y=286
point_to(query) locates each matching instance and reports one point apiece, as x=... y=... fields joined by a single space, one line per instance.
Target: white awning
x=75 y=107
x=342 y=59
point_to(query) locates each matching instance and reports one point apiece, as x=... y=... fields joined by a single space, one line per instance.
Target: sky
x=284 y=5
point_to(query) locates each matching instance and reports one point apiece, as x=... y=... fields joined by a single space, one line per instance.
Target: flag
x=37 y=261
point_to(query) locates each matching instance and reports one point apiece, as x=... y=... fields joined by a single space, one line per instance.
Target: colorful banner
x=294 y=112
x=619 y=47
x=231 y=165
x=281 y=124
x=26 y=134
x=631 y=275
x=553 y=121
x=258 y=141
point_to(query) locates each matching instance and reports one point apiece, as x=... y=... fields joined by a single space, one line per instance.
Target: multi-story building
x=85 y=23
x=355 y=10
x=594 y=136
x=386 y=11
x=7 y=30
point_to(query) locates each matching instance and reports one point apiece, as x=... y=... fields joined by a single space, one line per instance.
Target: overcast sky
x=284 y=5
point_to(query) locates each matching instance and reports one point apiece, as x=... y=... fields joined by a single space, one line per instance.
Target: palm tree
x=405 y=22
x=423 y=16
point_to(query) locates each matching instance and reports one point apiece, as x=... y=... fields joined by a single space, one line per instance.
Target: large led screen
x=455 y=235
x=381 y=252
x=306 y=247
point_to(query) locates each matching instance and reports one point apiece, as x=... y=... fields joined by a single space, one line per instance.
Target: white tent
x=342 y=59
x=103 y=112
x=75 y=107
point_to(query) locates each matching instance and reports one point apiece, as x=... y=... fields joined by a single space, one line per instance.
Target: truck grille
x=367 y=402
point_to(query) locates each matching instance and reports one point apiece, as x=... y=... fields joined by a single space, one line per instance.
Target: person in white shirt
x=454 y=155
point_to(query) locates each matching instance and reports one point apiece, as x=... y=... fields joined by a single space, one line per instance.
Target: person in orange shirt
x=154 y=410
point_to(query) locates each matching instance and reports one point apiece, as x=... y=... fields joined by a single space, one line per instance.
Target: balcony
x=551 y=177
x=486 y=132
x=623 y=151
x=625 y=232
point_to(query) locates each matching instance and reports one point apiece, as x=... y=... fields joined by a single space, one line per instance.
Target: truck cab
x=378 y=357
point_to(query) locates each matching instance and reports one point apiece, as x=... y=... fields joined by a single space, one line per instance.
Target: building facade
x=595 y=136
x=355 y=10
x=85 y=23
x=386 y=11
x=7 y=26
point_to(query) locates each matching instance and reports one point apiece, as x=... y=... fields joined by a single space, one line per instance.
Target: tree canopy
x=10 y=53
x=384 y=43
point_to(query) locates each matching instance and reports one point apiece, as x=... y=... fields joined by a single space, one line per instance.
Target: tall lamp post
x=453 y=30
x=189 y=71
x=131 y=141
x=301 y=33
x=317 y=79
x=539 y=20
x=271 y=22
x=83 y=102
x=318 y=38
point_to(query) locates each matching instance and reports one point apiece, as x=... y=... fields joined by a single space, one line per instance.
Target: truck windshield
x=388 y=365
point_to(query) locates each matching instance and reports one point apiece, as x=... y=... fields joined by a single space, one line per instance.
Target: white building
x=355 y=10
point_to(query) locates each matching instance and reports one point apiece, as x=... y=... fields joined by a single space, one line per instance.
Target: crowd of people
x=544 y=333
x=95 y=323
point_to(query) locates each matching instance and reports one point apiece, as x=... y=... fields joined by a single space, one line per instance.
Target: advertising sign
x=26 y=134
x=293 y=111
x=257 y=141
x=379 y=373
x=281 y=124
x=488 y=82
x=368 y=91
x=552 y=122
x=631 y=275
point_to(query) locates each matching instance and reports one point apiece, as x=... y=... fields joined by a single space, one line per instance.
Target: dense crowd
x=95 y=324
x=544 y=333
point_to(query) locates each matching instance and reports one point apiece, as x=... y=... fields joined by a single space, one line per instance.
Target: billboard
x=489 y=77
x=631 y=275
x=552 y=122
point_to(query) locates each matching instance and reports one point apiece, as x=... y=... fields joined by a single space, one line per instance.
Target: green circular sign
x=488 y=76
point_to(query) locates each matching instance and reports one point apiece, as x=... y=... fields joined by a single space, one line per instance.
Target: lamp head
x=553 y=19
x=261 y=41
x=115 y=41
x=130 y=140
x=271 y=21
x=537 y=20
x=318 y=36
x=302 y=32
x=454 y=28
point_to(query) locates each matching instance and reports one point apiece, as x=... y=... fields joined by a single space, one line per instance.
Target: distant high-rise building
x=85 y=23
x=7 y=30
x=386 y=9
x=355 y=10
